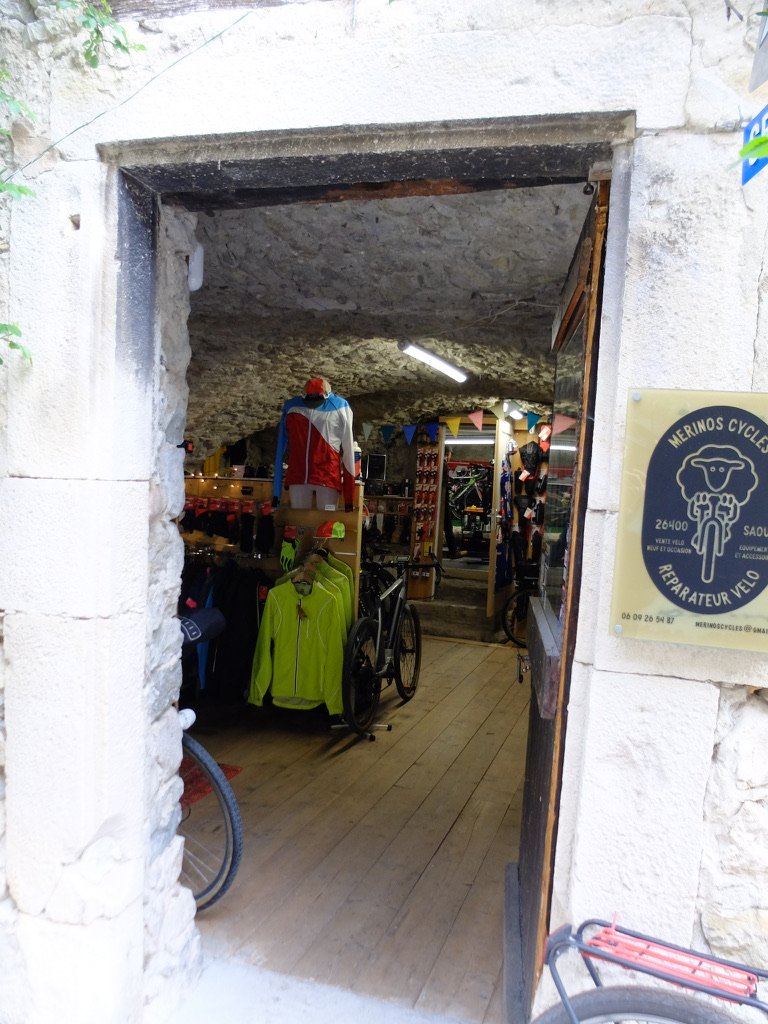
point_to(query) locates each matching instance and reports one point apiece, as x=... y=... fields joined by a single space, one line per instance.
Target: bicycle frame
x=387 y=631
x=477 y=481
x=700 y=972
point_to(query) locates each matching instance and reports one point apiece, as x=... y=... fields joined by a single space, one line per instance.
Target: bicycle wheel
x=360 y=685
x=514 y=615
x=408 y=652
x=210 y=825
x=633 y=1003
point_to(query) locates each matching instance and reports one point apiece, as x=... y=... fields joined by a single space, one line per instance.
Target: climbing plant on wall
x=103 y=34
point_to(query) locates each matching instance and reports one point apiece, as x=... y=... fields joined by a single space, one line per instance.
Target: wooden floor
x=379 y=867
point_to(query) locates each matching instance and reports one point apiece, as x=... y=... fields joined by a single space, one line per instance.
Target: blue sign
x=756 y=129
x=705 y=519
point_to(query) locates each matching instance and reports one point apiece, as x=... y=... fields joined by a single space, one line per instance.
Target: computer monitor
x=375 y=467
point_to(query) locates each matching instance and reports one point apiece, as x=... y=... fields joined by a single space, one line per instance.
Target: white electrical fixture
x=467 y=439
x=416 y=352
x=513 y=410
x=196 y=264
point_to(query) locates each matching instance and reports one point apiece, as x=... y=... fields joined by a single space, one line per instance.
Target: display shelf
x=239 y=495
x=307 y=520
x=426 y=523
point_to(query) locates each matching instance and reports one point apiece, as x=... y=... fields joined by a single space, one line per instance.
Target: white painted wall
x=89 y=486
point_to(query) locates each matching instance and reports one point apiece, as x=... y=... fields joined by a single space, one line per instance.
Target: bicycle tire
x=407 y=652
x=211 y=827
x=514 y=615
x=637 y=1004
x=360 y=683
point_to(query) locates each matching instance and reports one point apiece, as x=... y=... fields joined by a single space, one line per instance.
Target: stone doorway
x=169 y=193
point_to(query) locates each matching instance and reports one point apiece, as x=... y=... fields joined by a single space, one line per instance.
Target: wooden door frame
x=582 y=298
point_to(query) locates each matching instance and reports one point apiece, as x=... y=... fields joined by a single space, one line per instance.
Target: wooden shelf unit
x=230 y=489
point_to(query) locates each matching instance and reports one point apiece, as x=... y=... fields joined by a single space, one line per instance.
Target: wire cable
x=127 y=99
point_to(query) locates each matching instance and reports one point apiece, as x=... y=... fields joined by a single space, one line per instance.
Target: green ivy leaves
x=9 y=333
x=103 y=29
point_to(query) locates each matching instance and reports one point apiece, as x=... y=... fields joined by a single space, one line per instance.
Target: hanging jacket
x=336 y=584
x=318 y=441
x=336 y=563
x=299 y=651
x=337 y=578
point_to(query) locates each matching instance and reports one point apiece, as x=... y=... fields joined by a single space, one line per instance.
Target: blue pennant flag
x=409 y=431
x=432 y=429
x=386 y=433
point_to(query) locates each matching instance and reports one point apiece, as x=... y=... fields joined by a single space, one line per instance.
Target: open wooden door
x=553 y=617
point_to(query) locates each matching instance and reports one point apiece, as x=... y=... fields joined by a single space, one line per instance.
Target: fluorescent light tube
x=434 y=361
x=480 y=439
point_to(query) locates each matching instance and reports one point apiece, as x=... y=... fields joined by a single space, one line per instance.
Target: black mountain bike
x=514 y=614
x=210 y=821
x=377 y=576
x=684 y=968
x=383 y=646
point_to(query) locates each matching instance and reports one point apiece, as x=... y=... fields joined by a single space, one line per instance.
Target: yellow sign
x=692 y=549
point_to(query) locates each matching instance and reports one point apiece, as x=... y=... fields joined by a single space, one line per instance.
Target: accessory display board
x=427 y=518
x=236 y=517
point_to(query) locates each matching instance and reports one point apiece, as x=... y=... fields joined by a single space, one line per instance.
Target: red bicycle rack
x=606 y=941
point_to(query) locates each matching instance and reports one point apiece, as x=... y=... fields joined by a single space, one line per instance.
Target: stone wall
x=663 y=801
x=733 y=894
x=172 y=946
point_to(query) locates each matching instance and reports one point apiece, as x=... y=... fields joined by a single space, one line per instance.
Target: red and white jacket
x=319 y=444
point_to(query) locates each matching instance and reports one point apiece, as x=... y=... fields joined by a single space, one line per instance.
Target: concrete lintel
x=561 y=145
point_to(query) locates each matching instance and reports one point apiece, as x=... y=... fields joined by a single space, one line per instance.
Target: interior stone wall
x=172 y=944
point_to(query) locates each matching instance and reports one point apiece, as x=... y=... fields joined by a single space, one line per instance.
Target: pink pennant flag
x=476 y=417
x=562 y=423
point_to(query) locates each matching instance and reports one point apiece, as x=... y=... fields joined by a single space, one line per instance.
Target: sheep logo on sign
x=705 y=515
x=716 y=482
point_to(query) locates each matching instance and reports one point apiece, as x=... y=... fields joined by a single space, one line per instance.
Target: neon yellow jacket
x=299 y=650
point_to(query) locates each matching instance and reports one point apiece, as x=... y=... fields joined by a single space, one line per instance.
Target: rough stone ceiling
x=330 y=288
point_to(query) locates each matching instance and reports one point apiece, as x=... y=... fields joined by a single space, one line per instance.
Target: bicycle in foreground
x=514 y=614
x=702 y=973
x=210 y=824
x=383 y=646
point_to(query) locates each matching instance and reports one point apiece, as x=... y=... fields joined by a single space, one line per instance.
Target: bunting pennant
x=432 y=429
x=409 y=431
x=562 y=423
x=533 y=419
x=453 y=423
x=476 y=417
x=367 y=428
x=498 y=410
x=387 y=432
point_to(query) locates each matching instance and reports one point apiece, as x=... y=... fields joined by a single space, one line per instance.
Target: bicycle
x=385 y=645
x=210 y=821
x=470 y=491
x=514 y=614
x=685 y=968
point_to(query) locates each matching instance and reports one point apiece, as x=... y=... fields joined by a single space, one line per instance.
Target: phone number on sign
x=662 y=620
